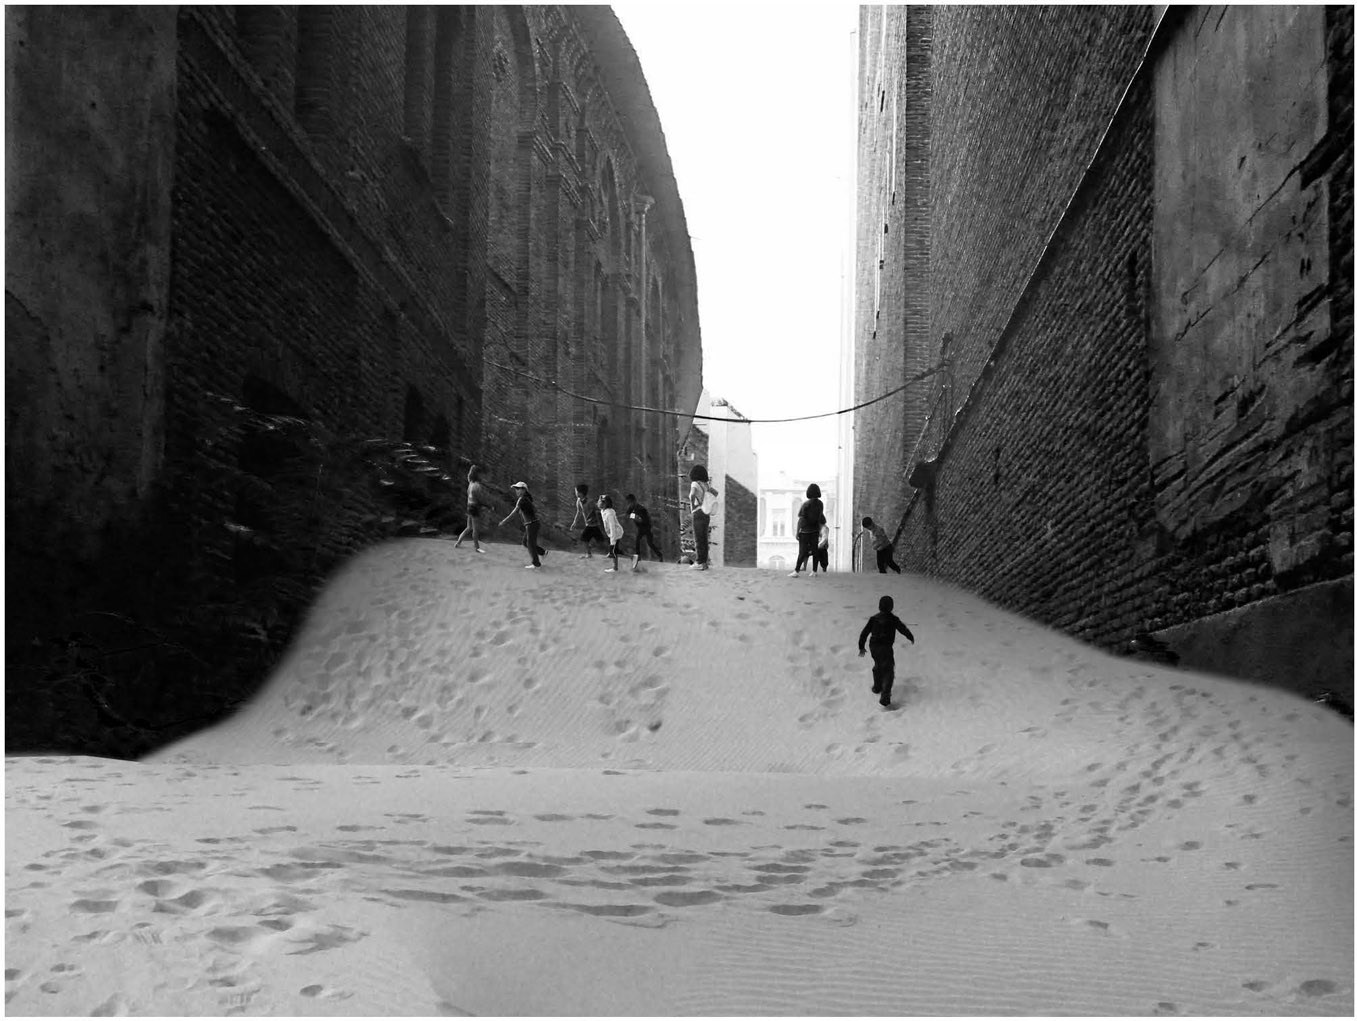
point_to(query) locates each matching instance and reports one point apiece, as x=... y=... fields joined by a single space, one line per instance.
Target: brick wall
x=1051 y=493
x=741 y=514
x=392 y=223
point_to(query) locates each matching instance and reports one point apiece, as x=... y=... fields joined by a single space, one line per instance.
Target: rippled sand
x=473 y=789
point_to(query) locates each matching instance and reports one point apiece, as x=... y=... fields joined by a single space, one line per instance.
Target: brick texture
x=392 y=223
x=1045 y=497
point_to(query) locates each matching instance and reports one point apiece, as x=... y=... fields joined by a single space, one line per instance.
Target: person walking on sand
x=809 y=520
x=640 y=517
x=475 y=501
x=819 y=557
x=527 y=513
x=613 y=528
x=588 y=513
x=885 y=549
x=881 y=628
x=702 y=500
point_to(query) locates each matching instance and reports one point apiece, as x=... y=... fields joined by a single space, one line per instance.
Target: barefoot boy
x=882 y=627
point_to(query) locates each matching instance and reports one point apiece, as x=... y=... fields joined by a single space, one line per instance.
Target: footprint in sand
x=797 y=909
x=685 y=899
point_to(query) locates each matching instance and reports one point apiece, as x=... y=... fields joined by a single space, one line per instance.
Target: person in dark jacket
x=809 y=520
x=881 y=628
x=640 y=517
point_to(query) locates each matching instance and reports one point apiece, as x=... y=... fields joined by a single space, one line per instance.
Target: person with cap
x=527 y=513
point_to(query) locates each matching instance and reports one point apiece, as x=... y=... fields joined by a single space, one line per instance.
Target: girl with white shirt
x=612 y=528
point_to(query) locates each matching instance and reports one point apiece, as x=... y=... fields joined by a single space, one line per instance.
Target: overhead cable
x=710 y=418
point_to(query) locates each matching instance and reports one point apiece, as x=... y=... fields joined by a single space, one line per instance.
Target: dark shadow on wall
x=174 y=623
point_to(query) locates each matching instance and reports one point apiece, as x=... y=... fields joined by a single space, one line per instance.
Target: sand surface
x=474 y=789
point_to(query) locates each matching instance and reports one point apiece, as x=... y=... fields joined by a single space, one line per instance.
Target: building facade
x=721 y=439
x=455 y=227
x=779 y=501
x=1124 y=284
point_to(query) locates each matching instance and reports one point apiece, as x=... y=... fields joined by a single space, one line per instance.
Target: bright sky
x=756 y=102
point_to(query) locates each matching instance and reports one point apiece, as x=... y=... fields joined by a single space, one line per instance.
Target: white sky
x=756 y=102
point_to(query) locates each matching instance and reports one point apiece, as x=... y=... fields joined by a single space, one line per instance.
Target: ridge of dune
x=472 y=789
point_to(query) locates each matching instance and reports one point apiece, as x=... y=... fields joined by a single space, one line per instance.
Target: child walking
x=881 y=628
x=588 y=514
x=524 y=508
x=612 y=527
x=885 y=549
x=819 y=557
x=475 y=500
x=644 y=534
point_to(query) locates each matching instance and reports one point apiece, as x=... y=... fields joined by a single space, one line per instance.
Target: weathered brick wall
x=1043 y=488
x=1338 y=182
x=1050 y=497
x=741 y=512
x=396 y=223
x=891 y=282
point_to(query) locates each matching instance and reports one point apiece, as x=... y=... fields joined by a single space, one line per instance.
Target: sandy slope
x=477 y=789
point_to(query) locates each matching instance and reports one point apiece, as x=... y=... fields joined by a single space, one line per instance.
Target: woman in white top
x=612 y=528
x=702 y=500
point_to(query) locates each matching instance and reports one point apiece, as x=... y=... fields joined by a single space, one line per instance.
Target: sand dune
x=472 y=789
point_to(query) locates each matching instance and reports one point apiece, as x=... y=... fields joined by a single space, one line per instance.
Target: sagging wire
x=712 y=418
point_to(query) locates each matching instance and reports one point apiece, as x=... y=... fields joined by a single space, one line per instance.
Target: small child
x=819 y=557
x=588 y=514
x=882 y=627
x=612 y=527
x=885 y=548
x=475 y=501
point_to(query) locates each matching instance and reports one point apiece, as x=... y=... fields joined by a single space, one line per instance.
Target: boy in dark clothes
x=641 y=518
x=882 y=627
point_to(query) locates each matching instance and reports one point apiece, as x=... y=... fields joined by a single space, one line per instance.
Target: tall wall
x=891 y=327
x=89 y=157
x=1143 y=416
x=455 y=226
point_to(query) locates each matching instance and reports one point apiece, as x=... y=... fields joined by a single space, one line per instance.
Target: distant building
x=724 y=444
x=779 y=503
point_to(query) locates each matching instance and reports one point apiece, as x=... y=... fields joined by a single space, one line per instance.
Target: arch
x=415 y=425
x=267 y=488
x=262 y=32
x=604 y=455
x=449 y=42
x=317 y=53
x=419 y=65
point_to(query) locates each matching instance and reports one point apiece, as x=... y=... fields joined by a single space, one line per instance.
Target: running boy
x=882 y=627
x=588 y=513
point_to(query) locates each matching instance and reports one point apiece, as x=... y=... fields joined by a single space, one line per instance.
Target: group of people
x=598 y=519
x=600 y=524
